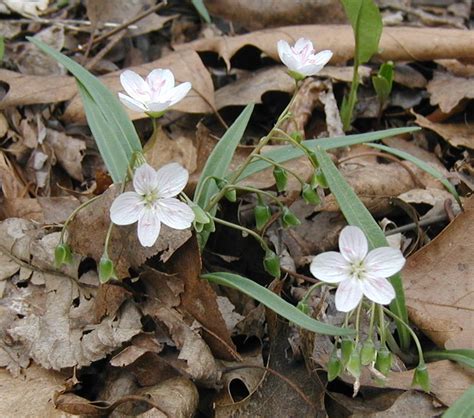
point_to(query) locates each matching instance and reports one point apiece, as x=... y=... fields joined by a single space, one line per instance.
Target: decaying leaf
x=447 y=90
x=445 y=263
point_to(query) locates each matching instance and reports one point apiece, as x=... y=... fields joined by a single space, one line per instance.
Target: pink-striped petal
x=135 y=86
x=330 y=267
x=353 y=244
x=348 y=295
x=126 y=208
x=172 y=179
x=145 y=179
x=378 y=290
x=131 y=103
x=178 y=93
x=160 y=80
x=174 y=213
x=384 y=262
x=148 y=227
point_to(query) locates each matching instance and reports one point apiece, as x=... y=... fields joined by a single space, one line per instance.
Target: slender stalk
x=275 y=164
x=307 y=295
x=357 y=322
x=73 y=214
x=347 y=116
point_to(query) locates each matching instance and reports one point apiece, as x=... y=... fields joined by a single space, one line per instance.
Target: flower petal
x=353 y=244
x=303 y=43
x=287 y=56
x=178 y=93
x=148 y=227
x=330 y=267
x=126 y=208
x=158 y=106
x=160 y=80
x=309 y=69
x=321 y=58
x=131 y=103
x=135 y=86
x=174 y=213
x=145 y=179
x=348 y=295
x=384 y=262
x=378 y=290
x=172 y=179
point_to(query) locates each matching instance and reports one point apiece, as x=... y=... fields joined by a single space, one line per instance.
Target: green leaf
x=421 y=164
x=367 y=25
x=463 y=407
x=274 y=302
x=218 y=163
x=464 y=356
x=123 y=139
x=383 y=81
x=357 y=214
x=114 y=157
x=201 y=9
x=283 y=154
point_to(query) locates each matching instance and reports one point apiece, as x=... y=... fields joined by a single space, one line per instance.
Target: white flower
x=358 y=271
x=153 y=202
x=301 y=59
x=153 y=95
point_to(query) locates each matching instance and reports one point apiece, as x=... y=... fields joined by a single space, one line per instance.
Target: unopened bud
x=289 y=218
x=106 y=269
x=367 y=353
x=319 y=179
x=303 y=307
x=421 y=377
x=200 y=216
x=281 y=178
x=262 y=215
x=347 y=346
x=353 y=365
x=334 y=366
x=62 y=255
x=271 y=262
x=383 y=363
x=297 y=136
x=309 y=195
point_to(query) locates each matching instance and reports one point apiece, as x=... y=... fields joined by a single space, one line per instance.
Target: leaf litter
x=160 y=341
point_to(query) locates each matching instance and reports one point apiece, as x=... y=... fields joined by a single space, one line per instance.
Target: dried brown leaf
x=447 y=90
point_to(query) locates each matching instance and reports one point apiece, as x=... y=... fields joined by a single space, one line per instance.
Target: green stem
x=154 y=124
x=372 y=319
x=381 y=325
x=307 y=295
x=351 y=101
x=357 y=322
x=243 y=229
x=73 y=214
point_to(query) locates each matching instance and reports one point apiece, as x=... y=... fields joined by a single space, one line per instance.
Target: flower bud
x=289 y=218
x=200 y=216
x=312 y=157
x=297 y=136
x=62 y=255
x=347 y=346
x=281 y=178
x=262 y=215
x=303 y=307
x=319 y=179
x=421 y=377
x=334 y=366
x=231 y=195
x=106 y=269
x=309 y=195
x=210 y=226
x=367 y=353
x=271 y=262
x=383 y=363
x=353 y=365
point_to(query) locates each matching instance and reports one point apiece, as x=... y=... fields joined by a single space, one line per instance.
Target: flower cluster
x=358 y=271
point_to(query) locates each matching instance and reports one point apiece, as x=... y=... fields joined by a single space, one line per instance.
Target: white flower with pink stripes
x=357 y=271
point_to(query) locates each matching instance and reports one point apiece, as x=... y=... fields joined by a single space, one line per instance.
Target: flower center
x=150 y=198
x=358 y=270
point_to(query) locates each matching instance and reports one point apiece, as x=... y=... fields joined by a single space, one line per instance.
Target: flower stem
x=307 y=295
x=357 y=322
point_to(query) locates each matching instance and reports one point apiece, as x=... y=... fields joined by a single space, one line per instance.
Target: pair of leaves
x=113 y=131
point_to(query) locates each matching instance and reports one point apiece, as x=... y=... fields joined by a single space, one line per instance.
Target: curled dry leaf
x=270 y=13
x=447 y=90
x=88 y=230
x=444 y=264
x=457 y=134
x=396 y=44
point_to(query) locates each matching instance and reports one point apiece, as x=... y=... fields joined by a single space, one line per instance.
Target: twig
x=113 y=41
x=277 y=374
x=408 y=227
x=64 y=22
x=298 y=275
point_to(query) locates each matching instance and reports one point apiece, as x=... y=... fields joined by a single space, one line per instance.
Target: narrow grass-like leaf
x=366 y=22
x=357 y=214
x=123 y=135
x=202 y=10
x=114 y=157
x=421 y=164
x=287 y=153
x=464 y=356
x=463 y=407
x=274 y=302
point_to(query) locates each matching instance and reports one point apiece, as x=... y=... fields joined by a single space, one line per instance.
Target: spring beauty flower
x=155 y=94
x=358 y=271
x=154 y=202
x=301 y=59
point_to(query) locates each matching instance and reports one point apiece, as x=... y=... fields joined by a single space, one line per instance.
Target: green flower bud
x=297 y=136
x=231 y=195
x=383 y=363
x=62 y=255
x=312 y=157
x=262 y=215
x=289 y=218
x=334 y=366
x=309 y=195
x=319 y=179
x=347 y=346
x=303 y=307
x=106 y=269
x=271 y=262
x=281 y=178
x=210 y=226
x=353 y=365
x=200 y=216
x=367 y=353
x=421 y=377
